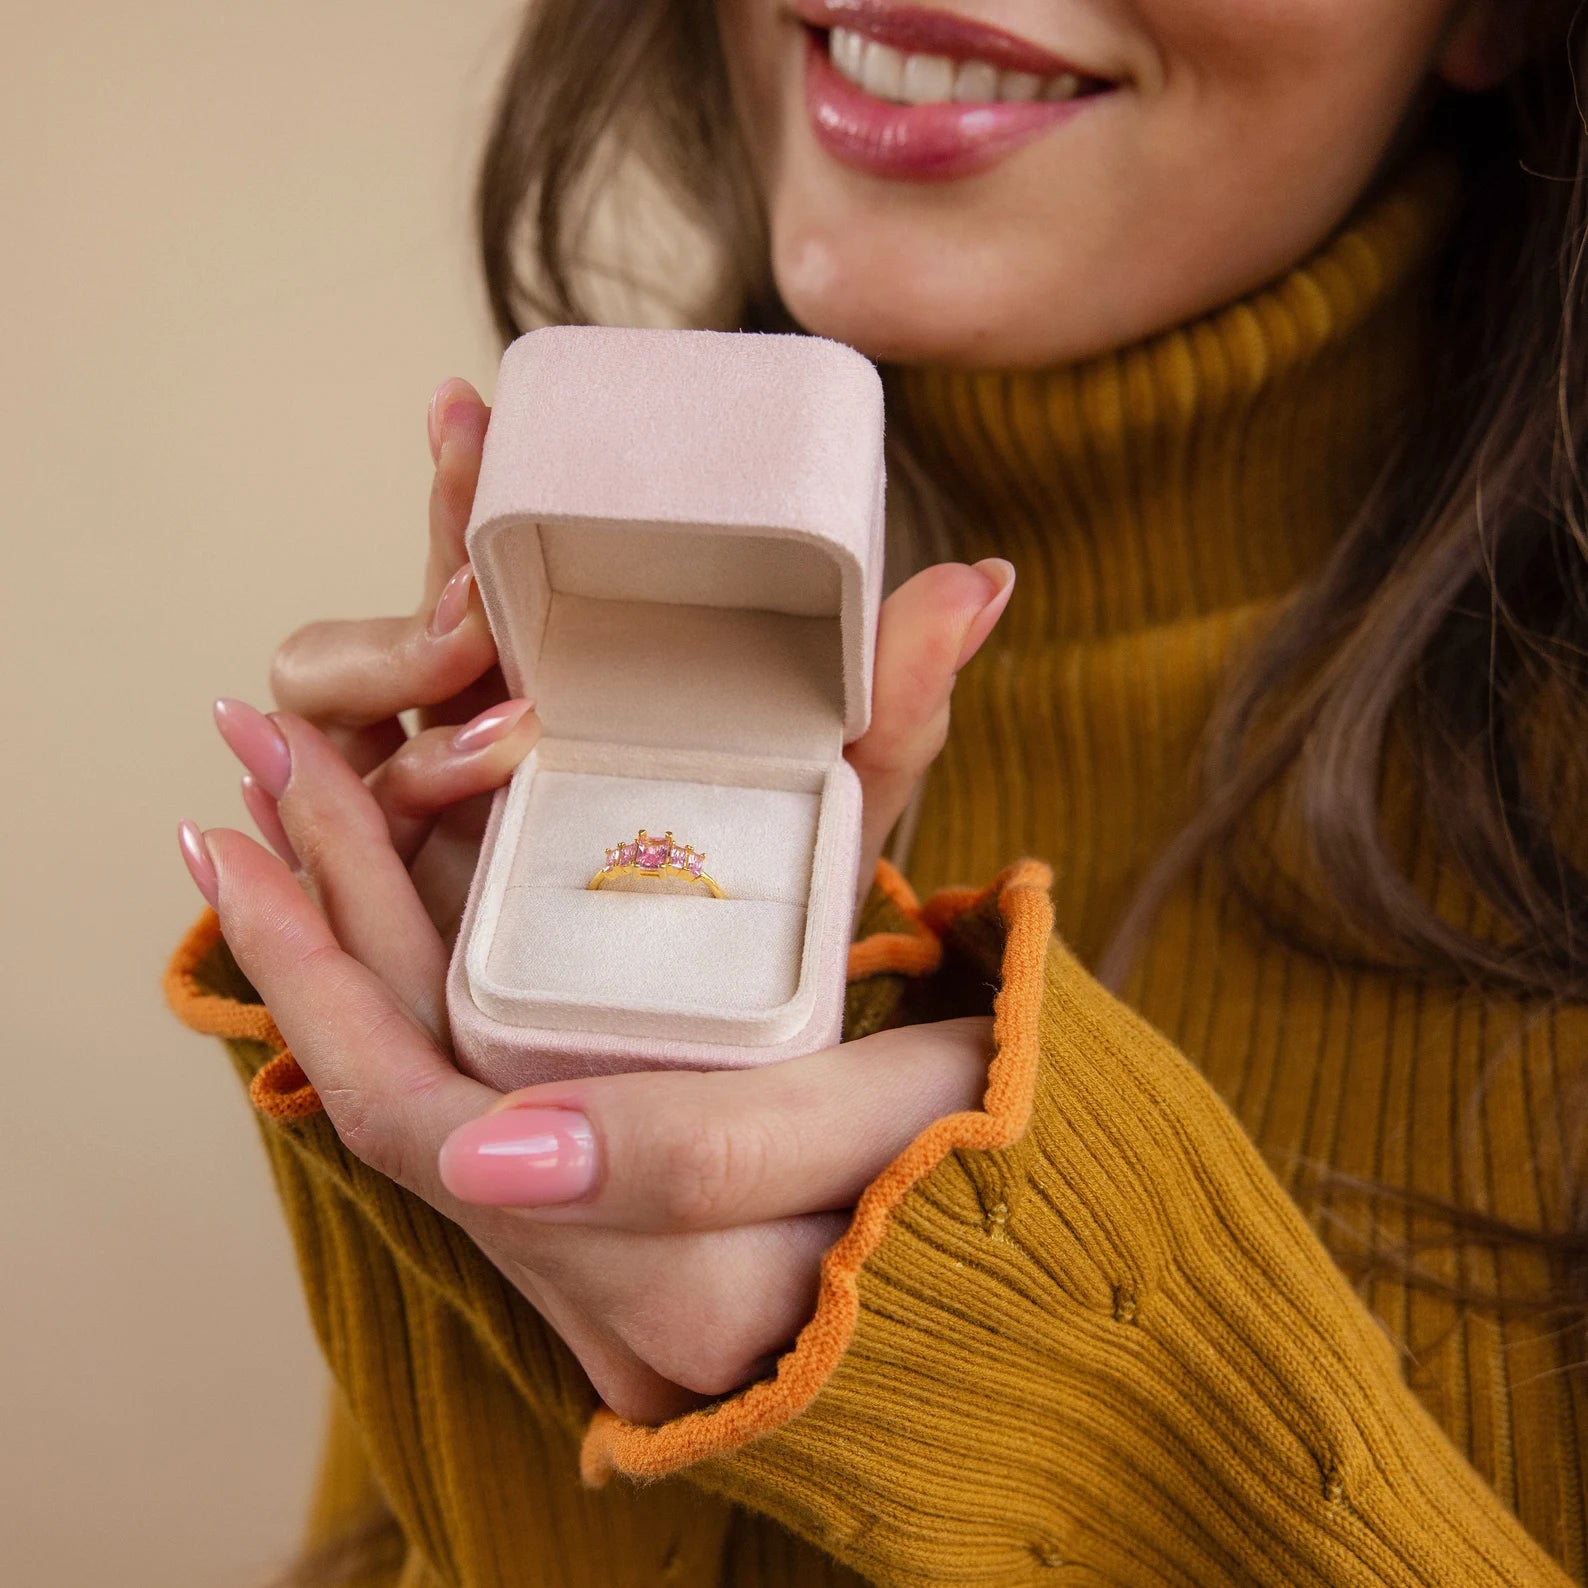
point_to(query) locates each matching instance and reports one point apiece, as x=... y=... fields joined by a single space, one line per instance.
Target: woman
x=1244 y=333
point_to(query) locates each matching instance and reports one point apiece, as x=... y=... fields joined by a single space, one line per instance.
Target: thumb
x=927 y=630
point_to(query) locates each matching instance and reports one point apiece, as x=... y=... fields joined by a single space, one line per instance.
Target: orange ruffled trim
x=279 y=1090
x=613 y=1444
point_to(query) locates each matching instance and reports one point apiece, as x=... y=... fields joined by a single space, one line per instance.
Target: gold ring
x=645 y=856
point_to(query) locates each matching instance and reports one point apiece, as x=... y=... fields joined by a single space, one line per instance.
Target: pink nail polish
x=491 y=725
x=267 y=818
x=520 y=1157
x=257 y=742
x=196 y=853
x=453 y=605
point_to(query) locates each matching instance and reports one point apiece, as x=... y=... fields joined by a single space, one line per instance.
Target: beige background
x=236 y=263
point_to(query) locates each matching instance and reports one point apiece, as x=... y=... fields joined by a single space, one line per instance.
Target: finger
x=617 y=1372
x=457 y=445
x=625 y=1382
x=440 y=767
x=459 y=418
x=351 y=679
x=267 y=818
x=333 y=823
x=347 y=676
x=688 y=1150
x=927 y=630
x=390 y=1093
x=445 y=865
x=716 y=1307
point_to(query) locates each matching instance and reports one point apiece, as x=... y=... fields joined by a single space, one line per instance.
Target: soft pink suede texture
x=678 y=537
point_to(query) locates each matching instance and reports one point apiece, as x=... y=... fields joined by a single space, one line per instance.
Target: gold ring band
x=645 y=856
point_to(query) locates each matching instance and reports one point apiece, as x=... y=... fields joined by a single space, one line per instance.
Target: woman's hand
x=703 y=1202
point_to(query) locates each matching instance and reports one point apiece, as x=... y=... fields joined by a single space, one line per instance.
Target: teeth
x=976 y=80
x=930 y=79
x=847 y=48
x=882 y=71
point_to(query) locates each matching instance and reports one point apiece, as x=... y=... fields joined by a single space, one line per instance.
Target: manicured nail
x=1002 y=574
x=520 y=1157
x=266 y=813
x=257 y=742
x=453 y=604
x=197 y=855
x=433 y=418
x=493 y=724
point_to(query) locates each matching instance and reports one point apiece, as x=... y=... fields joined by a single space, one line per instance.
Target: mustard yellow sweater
x=1086 y=1333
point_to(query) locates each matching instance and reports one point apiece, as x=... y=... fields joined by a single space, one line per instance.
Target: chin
x=870 y=289
x=917 y=329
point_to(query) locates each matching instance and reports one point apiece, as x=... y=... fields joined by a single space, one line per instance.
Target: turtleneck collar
x=1209 y=466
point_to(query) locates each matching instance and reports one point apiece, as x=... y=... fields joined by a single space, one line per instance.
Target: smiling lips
x=915 y=94
x=921 y=79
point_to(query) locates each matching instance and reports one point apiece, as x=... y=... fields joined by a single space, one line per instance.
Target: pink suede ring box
x=678 y=539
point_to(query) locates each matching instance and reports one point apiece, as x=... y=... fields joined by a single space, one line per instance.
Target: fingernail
x=433 y=418
x=257 y=742
x=1002 y=575
x=520 y=1157
x=266 y=813
x=491 y=725
x=197 y=855
x=453 y=604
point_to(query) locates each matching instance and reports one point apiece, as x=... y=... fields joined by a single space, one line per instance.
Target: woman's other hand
x=351 y=678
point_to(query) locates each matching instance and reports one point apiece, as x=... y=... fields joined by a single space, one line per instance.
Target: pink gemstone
x=612 y=857
x=653 y=852
x=696 y=864
x=676 y=856
x=625 y=854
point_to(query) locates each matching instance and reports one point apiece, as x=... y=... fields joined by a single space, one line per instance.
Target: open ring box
x=678 y=538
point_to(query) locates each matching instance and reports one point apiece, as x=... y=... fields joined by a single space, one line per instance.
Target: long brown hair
x=1450 y=622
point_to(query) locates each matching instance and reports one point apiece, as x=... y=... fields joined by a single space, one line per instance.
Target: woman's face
x=1018 y=182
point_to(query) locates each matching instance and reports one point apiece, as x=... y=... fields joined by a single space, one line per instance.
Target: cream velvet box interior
x=678 y=539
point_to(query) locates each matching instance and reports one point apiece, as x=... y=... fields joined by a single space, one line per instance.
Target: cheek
x=1291 y=102
x=1340 y=61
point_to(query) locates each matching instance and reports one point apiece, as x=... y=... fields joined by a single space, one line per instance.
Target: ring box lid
x=677 y=536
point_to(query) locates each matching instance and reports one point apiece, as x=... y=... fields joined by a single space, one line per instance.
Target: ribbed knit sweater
x=1091 y=1331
